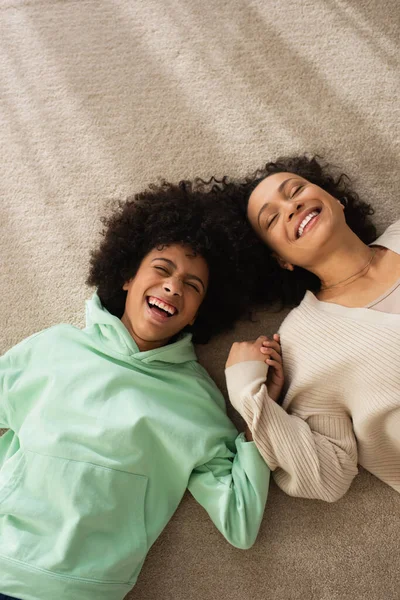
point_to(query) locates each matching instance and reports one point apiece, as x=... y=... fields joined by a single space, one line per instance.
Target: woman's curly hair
x=192 y=214
x=275 y=285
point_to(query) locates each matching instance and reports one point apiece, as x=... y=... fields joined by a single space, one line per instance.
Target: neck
x=347 y=258
x=142 y=344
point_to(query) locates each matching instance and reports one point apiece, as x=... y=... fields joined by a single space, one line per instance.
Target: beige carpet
x=101 y=97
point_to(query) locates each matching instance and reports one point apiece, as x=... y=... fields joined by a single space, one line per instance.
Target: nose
x=173 y=286
x=293 y=207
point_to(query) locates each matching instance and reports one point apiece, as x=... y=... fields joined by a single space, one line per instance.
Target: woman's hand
x=248 y=434
x=275 y=379
x=264 y=350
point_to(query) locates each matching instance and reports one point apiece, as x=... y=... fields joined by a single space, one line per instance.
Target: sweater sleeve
x=313 y=457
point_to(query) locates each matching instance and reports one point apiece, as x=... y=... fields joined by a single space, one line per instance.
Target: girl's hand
x=271 y=349
x=244 y=351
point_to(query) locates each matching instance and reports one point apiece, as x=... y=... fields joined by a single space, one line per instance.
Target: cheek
x=193 y=305
x=281 y=247
x=275 y=239
x=267 y=239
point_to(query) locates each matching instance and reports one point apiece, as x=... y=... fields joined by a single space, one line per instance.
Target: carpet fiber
x=101 y=97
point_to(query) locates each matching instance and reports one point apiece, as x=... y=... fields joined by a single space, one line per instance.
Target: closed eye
x=192 y=285
x=271 y=221
x=162 y=269
x=295 y=190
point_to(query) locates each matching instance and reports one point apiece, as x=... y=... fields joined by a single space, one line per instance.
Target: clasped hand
x=265 y=350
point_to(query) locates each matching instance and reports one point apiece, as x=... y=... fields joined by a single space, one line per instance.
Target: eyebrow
x=264 y=206
x=173 y=265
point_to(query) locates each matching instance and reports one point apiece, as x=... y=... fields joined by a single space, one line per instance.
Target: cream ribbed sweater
x=342 y=400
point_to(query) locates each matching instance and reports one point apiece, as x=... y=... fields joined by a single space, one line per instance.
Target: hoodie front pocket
x=75 y=519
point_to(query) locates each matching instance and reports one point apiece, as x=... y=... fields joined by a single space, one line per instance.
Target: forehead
x=182 y=256
x=268 y=187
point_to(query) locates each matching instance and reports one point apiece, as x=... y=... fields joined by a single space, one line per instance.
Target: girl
x=109 y=425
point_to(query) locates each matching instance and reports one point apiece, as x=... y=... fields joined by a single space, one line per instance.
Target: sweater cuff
x=245 y=379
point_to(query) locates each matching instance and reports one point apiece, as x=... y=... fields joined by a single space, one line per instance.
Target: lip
x=155 y=317
x=164 y=301
x=158 y=317
x=302 y=217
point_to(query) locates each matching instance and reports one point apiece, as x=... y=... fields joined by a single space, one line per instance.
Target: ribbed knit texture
x=343 y=394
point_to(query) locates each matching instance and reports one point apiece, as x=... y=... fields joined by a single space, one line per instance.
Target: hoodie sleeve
x=13 y=365
x=233 y=488
x=7 y=373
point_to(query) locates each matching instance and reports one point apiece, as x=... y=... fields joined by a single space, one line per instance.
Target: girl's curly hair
x=275 y=285
x=192 y=214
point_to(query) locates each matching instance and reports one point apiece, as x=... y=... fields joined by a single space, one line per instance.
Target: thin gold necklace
x=328 y=287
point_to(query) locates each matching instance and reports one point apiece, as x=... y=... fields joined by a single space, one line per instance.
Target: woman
x=340 y=346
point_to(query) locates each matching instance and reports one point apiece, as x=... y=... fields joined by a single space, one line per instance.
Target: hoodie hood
x=109 y=331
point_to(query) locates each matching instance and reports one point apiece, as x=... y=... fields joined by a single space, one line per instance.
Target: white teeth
x=156 y=302
x=305 y=221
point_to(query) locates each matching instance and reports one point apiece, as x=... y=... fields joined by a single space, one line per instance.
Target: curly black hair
x=275 y=285
x=192 y=214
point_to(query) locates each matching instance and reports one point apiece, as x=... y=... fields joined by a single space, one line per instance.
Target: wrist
x=248 y=434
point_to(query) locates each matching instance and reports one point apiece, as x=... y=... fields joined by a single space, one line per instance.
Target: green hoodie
x=103 y=441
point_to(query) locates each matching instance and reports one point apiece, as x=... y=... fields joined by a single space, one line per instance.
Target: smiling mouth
x=305 y=223
x=161 y=308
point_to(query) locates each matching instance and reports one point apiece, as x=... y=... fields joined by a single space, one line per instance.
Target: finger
x=273 y=354
x=262 y=338
x=271 y=344
x=277 y=337
x=276 y=366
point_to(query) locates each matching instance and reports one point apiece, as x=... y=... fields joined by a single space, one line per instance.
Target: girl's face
x=165 y=295
x=295 y=218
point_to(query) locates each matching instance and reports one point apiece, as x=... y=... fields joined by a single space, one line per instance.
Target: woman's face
x=295 y=218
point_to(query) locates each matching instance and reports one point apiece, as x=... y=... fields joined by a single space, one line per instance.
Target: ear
x=283 y=263
x=342 y=205
x=126 y=285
